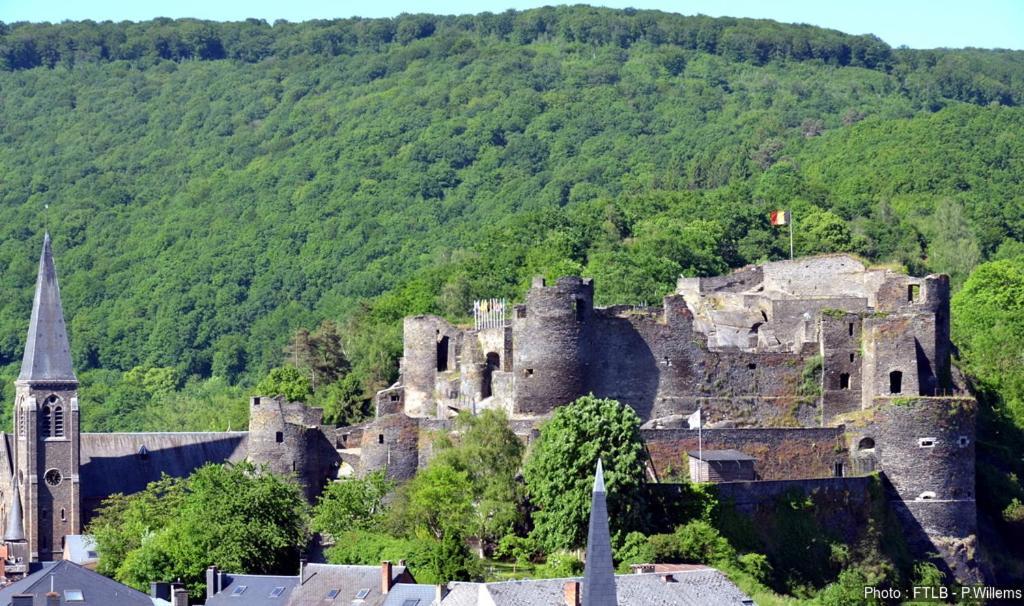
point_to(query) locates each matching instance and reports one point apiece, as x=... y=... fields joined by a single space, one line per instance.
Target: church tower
x=46 y=424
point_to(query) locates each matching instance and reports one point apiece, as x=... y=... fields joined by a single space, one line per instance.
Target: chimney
x=571 y=591
x=22 y=599
x=53 y=599
x=668 y=578
x=161 y=590
x=385 y=576
x=212 y=582
x=642 y=568
x=440 y=592
x=180 y=597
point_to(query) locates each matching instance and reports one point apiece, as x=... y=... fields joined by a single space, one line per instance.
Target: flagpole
x=790 y=213
x=700 y=445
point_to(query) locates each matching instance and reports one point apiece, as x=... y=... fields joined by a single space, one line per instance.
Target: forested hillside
x=215 y=187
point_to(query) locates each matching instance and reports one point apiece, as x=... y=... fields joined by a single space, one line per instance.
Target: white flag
x=694 y=420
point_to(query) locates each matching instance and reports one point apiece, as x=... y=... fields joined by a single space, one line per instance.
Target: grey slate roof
x=257 y=590
x=721 y=455
x=97 y=589
x=407 y=594
x=47 y=354
x=599 y=575
x=81 y=549
x=319 y=579
x=702 y=587
x=114 y=462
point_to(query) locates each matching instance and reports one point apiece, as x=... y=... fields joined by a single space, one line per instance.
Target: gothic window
x=58 y=421
x=47 y=420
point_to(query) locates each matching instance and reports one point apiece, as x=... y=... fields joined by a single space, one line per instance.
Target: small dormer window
x=74 y=595
x=332 y=594
x=362 y=594
x=276 y=593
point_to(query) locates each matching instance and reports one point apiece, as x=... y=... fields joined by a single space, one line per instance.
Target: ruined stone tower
x=46 y=429
x=550 y=335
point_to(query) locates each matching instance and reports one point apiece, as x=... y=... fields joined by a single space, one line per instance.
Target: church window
x=63 y=515
x=58 y=421
x=47 y=420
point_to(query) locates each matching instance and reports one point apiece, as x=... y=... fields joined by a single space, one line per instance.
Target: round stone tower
x=284 y=436
x=550 y=334
x=925 y=448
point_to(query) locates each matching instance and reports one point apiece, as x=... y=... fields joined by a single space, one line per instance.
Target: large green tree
x=559 y=470
x=235 y=516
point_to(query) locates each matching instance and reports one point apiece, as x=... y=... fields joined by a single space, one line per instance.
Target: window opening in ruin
x=442 y=353
x=493 y=363
x=581 y=307
x=844 y=380
x=852 y=357
x=866 y=443
x=838 y=469
x=752 y=366
x=913 y=292
x=395 y=397
x=963 y=441
x=521 y=312
x=895 y=382
x=849 y=329
x=279 y=437
x=528 y=372
x=764 y=315
x=63 y=515
x=926 y=442
x=380 y=438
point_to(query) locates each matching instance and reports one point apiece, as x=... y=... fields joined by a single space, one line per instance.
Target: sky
x=913 y=23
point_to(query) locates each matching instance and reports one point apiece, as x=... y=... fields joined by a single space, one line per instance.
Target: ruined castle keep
x=817 y=368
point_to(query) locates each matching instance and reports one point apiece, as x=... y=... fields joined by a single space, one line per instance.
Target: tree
x=438 y=503
x=821 y=231
x=234 y=516
x=286 y=381
x=560 y=468
x=490 y=454
x=352 y=504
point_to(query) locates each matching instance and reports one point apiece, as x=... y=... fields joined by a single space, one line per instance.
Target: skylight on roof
x=73 y=595
x=411 y=603
x=332 y=594
x=362 y=594
x=239 y=590
x=277 y=592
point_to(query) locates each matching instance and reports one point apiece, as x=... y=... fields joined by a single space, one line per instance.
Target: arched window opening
x=58 y=421
x=866 y=443
x=895 y=382
x=47 y=420
x=493 y=364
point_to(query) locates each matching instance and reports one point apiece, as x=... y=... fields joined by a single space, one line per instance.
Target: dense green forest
x=215 y=187
x=229 y=198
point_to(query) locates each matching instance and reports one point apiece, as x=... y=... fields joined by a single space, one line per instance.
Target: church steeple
x=15 y=527
x=47 y=354
x=599 y=573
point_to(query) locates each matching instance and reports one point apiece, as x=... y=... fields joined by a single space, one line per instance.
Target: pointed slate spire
x=15 y=528
x=47 y=354
x=599 y=574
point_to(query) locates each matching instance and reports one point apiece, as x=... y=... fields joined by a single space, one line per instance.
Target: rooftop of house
x=705 y=586
x=257 y=590
x=75 y=585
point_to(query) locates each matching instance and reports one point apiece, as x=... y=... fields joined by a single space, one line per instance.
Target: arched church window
x=47 y=420
x=58 y=421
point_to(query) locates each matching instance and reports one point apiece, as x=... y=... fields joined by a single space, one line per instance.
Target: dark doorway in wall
x=866 y=443
x=895 y=382
x=581 y=309
x=442 y=353
x=844 y=380
x=493 y=364
x=839 y=469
